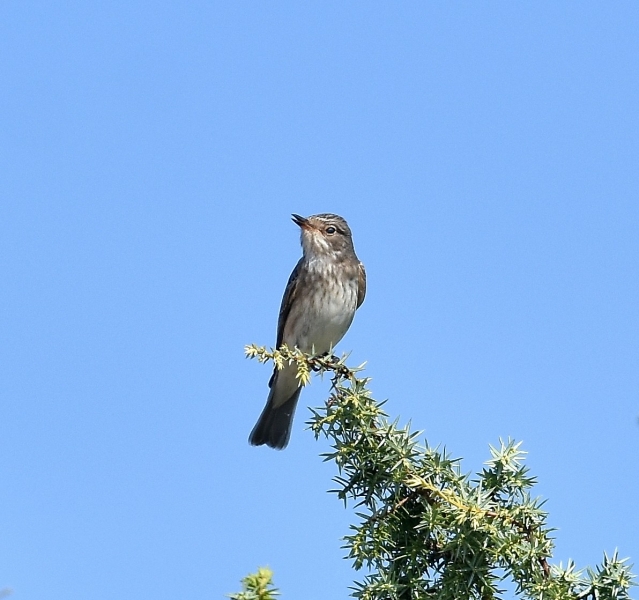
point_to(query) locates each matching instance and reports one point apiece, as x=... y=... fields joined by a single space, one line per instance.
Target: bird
x=326 y=287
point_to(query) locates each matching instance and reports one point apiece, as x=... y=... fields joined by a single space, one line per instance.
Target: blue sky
x=485 y=156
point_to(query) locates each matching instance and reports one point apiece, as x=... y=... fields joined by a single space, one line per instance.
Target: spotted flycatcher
x=323 y=292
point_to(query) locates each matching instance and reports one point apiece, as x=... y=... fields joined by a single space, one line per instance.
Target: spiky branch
x=425 y=529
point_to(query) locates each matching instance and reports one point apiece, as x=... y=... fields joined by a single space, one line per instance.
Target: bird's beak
x=302 y=222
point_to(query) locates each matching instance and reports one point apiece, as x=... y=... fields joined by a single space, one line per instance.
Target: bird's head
x=325 y=235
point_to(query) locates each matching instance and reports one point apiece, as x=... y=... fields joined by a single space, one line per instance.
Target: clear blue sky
x=486 y=156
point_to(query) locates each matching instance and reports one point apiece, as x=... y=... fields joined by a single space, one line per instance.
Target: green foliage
x=258 y=586
x=425 y=529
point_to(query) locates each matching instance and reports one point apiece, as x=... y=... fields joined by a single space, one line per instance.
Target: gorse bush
x=258 y=586
x=426 y=530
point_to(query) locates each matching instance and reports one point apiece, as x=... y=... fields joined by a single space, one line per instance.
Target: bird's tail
x=273 y=428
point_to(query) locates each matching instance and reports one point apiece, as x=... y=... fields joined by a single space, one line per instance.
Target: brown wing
x=361 y=285
x=287 y=301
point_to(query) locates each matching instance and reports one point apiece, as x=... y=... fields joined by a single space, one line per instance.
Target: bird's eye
x=331 y=230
